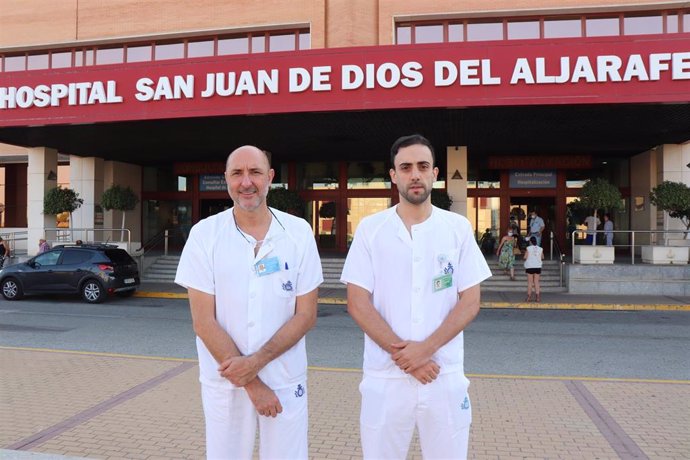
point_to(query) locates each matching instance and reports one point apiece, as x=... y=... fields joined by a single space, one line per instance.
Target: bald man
x=252 y=274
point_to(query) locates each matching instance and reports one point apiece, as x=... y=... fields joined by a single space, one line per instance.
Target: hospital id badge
x=267 y=266
x=442 y=282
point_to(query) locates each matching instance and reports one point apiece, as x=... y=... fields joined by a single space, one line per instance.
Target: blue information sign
x=533 y=179
x=212 y=183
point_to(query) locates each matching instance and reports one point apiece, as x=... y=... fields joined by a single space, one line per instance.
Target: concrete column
x=456 y=178
x=672 y=165
x=42 y=162
x=642 y=180
x=86 y=178
x=124 y=175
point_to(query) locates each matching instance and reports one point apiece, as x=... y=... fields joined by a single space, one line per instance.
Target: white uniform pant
x=231 y=421
x=392 y=406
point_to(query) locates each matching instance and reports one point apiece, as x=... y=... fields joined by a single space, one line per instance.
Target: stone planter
x=673 y=255
x=587 y=254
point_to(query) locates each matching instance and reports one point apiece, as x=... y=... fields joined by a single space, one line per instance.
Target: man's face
x=414 y=173
x=248 y=177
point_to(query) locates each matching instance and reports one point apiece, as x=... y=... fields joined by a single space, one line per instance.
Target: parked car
x=91 y=270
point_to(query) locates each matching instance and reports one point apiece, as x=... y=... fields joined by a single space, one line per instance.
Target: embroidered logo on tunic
x=287 y=286
x=300 y=391
x=465 y=404
x=449 y=269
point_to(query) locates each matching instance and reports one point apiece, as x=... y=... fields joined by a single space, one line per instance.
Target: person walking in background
x=536 y=226
x=413 y=274
x=252 y=274
x=506 y=252
x=534 y=256
x=43 y=246
x=592 y=222
x=608 y=229
x=4 y=252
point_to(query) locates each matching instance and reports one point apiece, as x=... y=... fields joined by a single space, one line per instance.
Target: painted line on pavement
x=99 y=353
x=614 y=434
x=86 y=415
x=357 y=370
x=497 y=305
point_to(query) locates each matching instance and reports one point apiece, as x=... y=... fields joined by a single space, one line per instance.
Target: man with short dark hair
x=536 y=226
x=412 y=275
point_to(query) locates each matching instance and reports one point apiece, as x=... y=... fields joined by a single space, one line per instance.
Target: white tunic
x=218 y=260
x=400 y=269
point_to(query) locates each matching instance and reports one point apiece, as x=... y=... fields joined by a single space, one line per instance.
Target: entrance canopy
x=605 y=96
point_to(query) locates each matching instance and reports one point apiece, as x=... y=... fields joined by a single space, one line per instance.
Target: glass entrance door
x=520 y=208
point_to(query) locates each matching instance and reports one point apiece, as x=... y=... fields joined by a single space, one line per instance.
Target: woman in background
x=506 y=256
x=534 y=255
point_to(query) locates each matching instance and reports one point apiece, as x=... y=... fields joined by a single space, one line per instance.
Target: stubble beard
x=416 y=199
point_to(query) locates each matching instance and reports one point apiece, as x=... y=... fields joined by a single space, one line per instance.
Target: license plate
x=129 y=280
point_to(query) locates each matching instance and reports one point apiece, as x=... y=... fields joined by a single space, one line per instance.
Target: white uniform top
x=592 y=224
x=399 y=270
x=218 y=260
x=533 y=259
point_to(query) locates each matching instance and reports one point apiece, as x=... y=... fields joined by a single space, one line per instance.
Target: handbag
x=516 y=251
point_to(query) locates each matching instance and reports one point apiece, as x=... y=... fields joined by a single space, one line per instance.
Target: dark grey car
x=91 y=270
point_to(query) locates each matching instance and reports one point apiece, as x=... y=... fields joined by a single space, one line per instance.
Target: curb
x=487 y=305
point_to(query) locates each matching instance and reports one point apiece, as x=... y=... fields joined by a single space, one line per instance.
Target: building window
x=602 y=27
x=110 y=56
x=404 y=35
x=304 y=40
x=520 y=30
x=61 y=60
x=239 y=45
x=485 y=31
x=169 y=51
x=643 y=25
x=139 y=53
x=686 y=21
x=200 y=49
x=428 y=34
x=15 y=63
x=258 y=44
x=281 y=42
x=456 y=33
x=37 y=61
x=671 y=23
x=562 y=28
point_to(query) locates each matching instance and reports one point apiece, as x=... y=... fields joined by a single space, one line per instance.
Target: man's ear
x=393 y=177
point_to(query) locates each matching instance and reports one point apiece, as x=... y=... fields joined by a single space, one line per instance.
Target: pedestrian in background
x=43 y=246
x=534 y=256
x=4 y=252
x=412 y=275
x=506 y=252
x=608 y=229
x=252 y=274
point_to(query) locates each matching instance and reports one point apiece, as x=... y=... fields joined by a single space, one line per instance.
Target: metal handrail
x=632 y=233
x=13 y=237
x=561 y=256
x=67 y=234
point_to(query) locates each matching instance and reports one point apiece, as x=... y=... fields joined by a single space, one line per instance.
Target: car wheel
x=129 y=293
x=92 y=291
x=11 y=289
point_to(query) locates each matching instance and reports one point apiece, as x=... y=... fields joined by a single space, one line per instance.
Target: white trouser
x=231 y=421
x=392 y=406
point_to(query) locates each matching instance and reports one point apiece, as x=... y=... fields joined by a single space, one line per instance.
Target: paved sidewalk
x=92 y=405
x=492 y=299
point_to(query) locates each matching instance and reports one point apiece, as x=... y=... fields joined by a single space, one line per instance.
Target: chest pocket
x=446 y=263
x=284 y=284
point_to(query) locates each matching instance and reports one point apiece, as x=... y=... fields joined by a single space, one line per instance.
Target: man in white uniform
x=252 y=275
x=413 y=274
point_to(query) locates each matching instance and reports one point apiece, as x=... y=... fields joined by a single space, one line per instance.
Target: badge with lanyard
x=445 y=279
x=266 y=266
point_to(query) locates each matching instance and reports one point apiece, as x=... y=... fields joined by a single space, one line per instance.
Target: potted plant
x=120 y=199
x=597 y=194
x=61 y=200
x=285 y=200
x=673 y=198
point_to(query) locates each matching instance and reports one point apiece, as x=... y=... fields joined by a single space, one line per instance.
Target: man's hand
x=240 y=370
x=264 y=399
x=427 y=373
x=411 y=355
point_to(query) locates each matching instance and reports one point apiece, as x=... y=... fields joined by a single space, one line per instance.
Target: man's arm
x=361 y=309
x=221 y=346
x=410 y=355
x=241 y=370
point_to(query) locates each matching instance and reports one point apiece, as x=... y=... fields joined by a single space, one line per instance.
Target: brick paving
x=119 y=407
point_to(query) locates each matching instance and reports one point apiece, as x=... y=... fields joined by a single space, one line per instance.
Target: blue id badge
x=267 y=266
